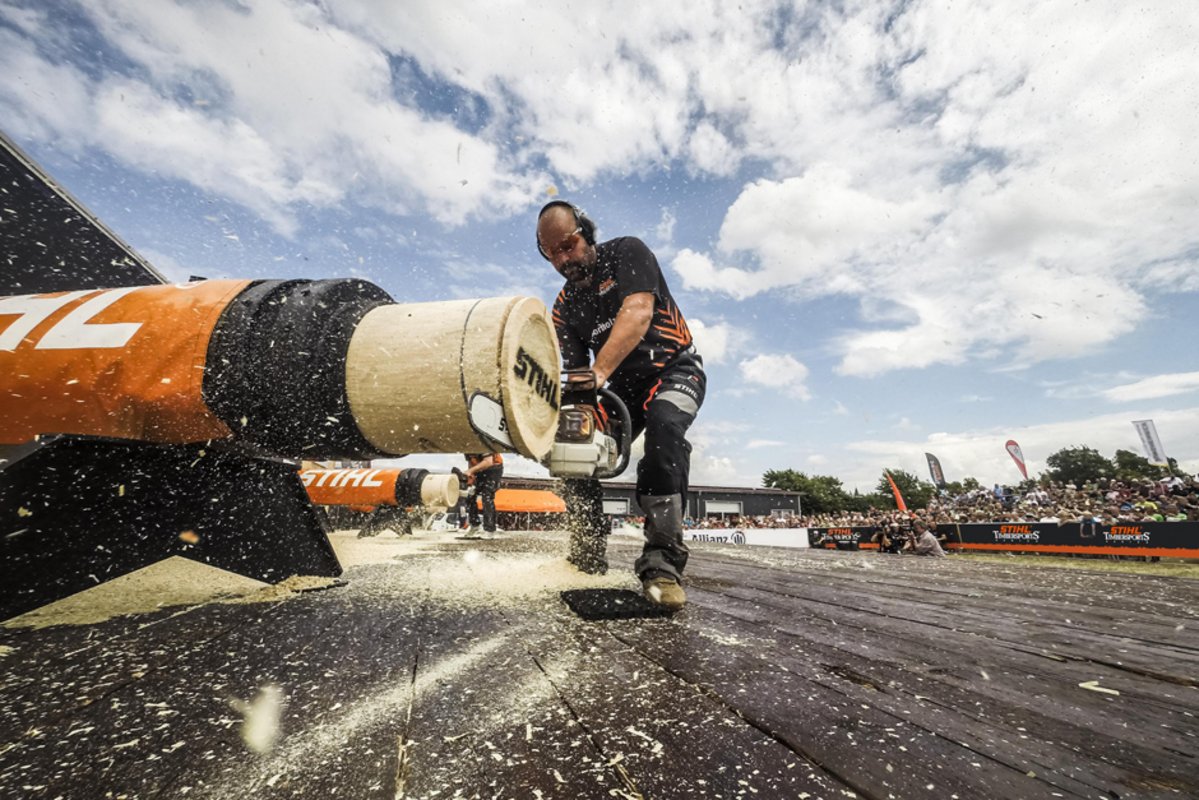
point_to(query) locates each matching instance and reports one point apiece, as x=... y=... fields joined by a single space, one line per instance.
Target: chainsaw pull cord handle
x=626 y=432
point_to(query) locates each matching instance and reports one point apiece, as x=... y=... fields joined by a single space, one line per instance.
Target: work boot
x=665 y=552
x=665 y=592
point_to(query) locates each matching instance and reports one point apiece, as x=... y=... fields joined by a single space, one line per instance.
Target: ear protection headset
x=582 y=221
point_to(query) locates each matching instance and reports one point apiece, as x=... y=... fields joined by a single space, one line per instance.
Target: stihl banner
x=1169 y=539
x=1163 y=539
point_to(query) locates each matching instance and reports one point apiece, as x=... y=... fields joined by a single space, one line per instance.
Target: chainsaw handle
x=626 y=432
x=581 y=379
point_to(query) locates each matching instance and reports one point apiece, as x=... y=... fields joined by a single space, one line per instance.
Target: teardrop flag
x=1017 y=456
x=902 y=506
x=934 y=469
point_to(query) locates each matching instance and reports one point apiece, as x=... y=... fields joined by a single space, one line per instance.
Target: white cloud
x=716 y=341
x=712 y=470
x=710 y=151
x=781 y=372
x=701 y=273
x=980 y=453
x=757 y=444
x=40 y=100
x=717 y=453
x=708 y=464
x=969 y=197
x=226 y=157
x=1154 y=387
x=270 y=105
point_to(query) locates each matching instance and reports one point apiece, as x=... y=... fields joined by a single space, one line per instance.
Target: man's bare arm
x=632 y=321
x=486 y=463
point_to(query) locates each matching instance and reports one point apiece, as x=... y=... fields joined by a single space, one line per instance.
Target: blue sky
x=895 y=227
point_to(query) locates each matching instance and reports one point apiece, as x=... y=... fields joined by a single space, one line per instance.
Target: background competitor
x=484 y=471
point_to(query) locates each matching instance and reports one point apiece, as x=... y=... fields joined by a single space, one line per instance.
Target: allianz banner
x=762 y=537
x=1169 y=539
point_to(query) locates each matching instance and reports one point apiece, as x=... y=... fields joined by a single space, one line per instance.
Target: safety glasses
x=565 y=246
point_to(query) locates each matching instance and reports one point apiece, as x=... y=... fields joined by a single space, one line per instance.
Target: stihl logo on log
x=534 y=374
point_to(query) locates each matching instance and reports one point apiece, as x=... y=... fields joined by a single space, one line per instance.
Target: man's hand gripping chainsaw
x=594 y=437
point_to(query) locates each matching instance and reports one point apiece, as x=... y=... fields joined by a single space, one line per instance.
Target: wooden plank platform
x=451 y=668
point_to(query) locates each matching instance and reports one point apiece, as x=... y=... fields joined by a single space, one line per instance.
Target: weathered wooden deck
x=457 y=670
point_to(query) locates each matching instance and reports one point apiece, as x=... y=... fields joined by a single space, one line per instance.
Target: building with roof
x=702 y=501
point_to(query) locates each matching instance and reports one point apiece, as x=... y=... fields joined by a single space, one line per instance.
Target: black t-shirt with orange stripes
x=584 y=315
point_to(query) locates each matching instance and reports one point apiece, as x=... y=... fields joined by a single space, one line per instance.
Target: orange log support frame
x=298 y=369
x=370 y=488
x=529 y=501
x=122 y=363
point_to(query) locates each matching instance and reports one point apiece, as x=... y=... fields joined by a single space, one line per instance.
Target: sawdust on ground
x=447 y=568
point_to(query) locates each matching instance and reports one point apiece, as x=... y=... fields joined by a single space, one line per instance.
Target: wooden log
x=460 y=376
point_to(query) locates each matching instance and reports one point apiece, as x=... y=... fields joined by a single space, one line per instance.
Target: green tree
x=874 y=500
x=819 y=493
x=916 y=493
x=1078 y=465
x=1132 y=466
x=961 y=487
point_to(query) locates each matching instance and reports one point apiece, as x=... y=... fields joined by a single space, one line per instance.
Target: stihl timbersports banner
x=1163 y=539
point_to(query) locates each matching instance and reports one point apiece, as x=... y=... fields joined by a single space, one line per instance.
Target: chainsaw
x=594 y=438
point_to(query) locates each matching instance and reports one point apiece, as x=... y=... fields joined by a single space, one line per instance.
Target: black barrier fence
x=1163 y=539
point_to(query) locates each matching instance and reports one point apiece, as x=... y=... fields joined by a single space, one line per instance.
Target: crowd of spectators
x=1106 y=502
